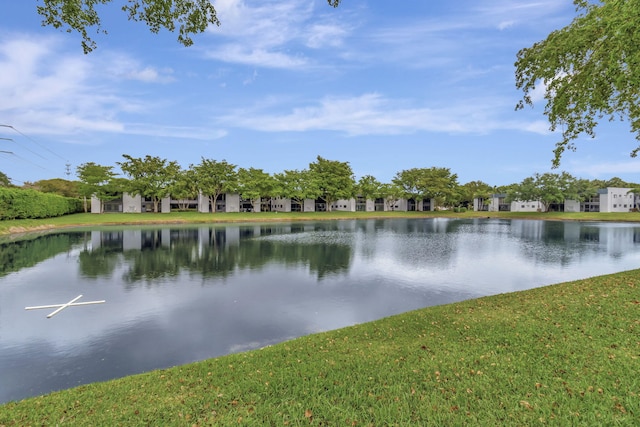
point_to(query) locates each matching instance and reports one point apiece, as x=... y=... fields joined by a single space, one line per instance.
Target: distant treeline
x=18 y=203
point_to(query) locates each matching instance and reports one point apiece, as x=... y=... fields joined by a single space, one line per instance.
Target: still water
x=178 y=294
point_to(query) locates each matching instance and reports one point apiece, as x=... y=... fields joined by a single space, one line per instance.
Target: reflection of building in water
x=148 y=254
x=619 y=240
x=140 y=239
x=107 y=240
x=615 y=238
x=527 y=229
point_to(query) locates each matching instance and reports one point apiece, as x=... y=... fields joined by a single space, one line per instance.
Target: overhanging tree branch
x=190 y=17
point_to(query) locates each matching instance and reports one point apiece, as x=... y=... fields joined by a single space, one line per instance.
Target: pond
x=178 y=294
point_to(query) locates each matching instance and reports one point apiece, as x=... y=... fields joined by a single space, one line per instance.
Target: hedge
x=18 y=203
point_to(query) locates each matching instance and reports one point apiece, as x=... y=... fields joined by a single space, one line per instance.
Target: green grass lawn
x=567 y=354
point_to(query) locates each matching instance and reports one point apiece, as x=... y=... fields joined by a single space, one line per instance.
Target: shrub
x=18 y=203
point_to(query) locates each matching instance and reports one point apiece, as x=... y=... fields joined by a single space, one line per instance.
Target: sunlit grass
x=566 y=354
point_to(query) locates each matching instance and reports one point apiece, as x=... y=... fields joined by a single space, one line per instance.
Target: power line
x=34 y=141
x=25 y=160
x=26 y=148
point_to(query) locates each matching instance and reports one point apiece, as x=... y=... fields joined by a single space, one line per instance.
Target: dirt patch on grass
x=17 y=230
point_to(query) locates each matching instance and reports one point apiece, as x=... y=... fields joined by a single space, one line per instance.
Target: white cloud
x=45 y=90
x=505 y=24
x=271 y=23
x=258 y=57
x=121 y=66
x=325 y=35
x=456 y=36
x=252 y=78
x=271 y=34
x=538 y=126
x=605 y=169
x=372 y=114
x=165 y=131
x=508 y=13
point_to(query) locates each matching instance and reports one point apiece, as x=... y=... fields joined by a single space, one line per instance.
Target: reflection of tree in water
x=555 y=242
x=190 y=250
x=100 y=262
x=325 y=248
x=16 y=255
x=321 y=258
x=211 y=252
x=104 y=257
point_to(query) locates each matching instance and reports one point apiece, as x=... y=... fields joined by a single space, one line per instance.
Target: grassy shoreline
x=565 y=354
x=17 y=227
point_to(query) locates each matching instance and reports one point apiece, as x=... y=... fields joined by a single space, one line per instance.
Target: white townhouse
x=135 y=203
x=493 y=203
x=610 y=199
x=614 y=199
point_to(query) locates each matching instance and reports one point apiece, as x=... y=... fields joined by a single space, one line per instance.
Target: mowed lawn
x=567 y=354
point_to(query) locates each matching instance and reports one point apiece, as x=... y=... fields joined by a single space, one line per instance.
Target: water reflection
x=177 y=294
x=214 y=252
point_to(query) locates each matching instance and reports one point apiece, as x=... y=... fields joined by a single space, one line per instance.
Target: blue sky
x=383 y=86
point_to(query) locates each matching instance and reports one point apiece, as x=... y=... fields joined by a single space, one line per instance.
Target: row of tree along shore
x=154 y=178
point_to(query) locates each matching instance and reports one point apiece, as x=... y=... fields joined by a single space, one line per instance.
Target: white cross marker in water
x=61 y=307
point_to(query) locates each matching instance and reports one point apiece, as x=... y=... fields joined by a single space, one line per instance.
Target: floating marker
x=60 y=307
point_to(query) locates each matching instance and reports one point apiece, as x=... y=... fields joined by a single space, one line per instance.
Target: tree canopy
x=62 y=187
x=214 y=178
x=369 y=187
x=253 y=184
x=392 y=193
x=475 y=190
x=429 y=183
x=552 y=188
x=184 y=188
x=5 y=181
x=412 y=183
x=151 y=177
x=95 y=180
x=294 y=184
x=588 y=71
x=333 y=180
x=190 y=17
